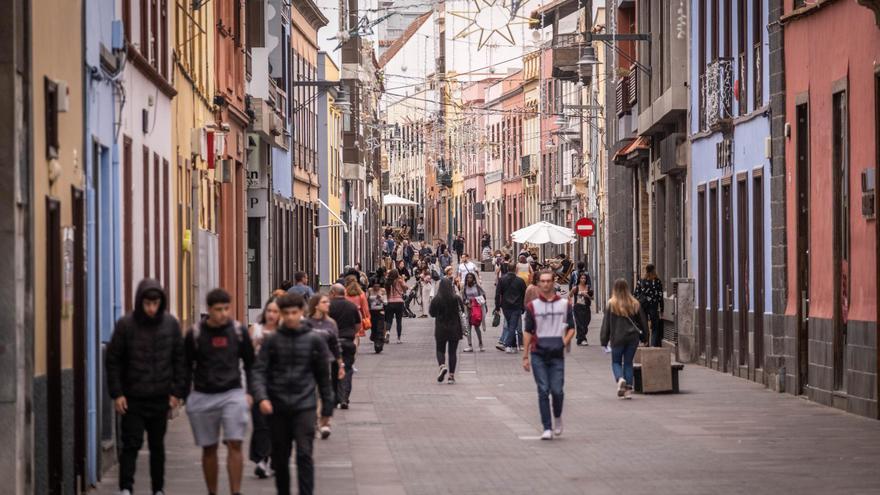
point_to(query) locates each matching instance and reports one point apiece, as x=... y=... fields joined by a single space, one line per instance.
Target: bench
x=637 y=372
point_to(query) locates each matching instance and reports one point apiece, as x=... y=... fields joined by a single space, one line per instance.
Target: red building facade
x=832 y=84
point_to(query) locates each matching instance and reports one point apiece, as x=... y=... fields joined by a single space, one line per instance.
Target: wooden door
x=802 y=196
x=758 y=263
x=79 y=338
x=703 y=275
x=727 y=273
x=742 y=245
x=714 y=283
x=54 y=287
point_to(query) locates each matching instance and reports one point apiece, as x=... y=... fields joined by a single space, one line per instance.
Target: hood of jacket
x=146 y=285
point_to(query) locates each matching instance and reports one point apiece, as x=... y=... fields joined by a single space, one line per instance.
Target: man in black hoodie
x=510 y=299
x=146 y=378
x=291 y=365
x=216 y=349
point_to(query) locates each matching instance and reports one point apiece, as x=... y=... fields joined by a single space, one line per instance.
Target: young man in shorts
x=216 y=348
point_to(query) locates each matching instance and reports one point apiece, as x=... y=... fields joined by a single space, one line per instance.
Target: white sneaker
x=557 y=427
x=325 y=432
x=509 y=350
x=468 y=349
x=621 y=387
x=547 y=435
x=124 y=492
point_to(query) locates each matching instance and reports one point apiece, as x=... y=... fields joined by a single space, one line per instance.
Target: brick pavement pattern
x=405 y=433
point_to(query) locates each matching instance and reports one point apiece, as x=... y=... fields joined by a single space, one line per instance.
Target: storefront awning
x=635 y=150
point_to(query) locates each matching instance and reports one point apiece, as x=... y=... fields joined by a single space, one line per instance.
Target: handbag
x=496 y=319
x=476 y=313
x=637 y=329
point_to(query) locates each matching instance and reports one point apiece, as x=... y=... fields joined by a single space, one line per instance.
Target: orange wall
x=839 y=41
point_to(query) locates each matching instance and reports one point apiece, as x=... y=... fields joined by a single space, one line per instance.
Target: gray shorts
x=208 y=412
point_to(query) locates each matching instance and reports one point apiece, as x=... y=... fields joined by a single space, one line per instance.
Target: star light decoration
x=491 y=18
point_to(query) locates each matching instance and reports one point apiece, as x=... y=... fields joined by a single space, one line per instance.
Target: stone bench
x=637 y=375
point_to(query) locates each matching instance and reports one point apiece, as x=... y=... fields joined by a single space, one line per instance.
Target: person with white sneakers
x=549 y=328
x=623 y=327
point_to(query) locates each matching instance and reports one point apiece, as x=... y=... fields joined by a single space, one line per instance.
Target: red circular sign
x=585 y=227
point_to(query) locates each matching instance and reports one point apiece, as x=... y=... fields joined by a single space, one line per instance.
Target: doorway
x=713 y=269
x=79 y=339
x=703 y=274
x=54 y=269
x=758 y=263
x=802 y=195
x=727 y=272
x=841 y=211
x=742 y=241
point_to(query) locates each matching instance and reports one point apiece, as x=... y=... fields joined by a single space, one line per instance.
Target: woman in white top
x=261 y=439
x=524 y=269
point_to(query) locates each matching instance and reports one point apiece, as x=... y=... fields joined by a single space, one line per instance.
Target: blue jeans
x=512 y=332
x=550 y=378
x=622 y=361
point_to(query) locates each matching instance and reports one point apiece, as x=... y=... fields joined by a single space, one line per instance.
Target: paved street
x=407 y=434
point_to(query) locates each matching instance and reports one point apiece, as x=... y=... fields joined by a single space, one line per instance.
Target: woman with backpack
x=580 y=298
x=445 y=309
x=474 y=298
x=623 y=327
x=395 y=289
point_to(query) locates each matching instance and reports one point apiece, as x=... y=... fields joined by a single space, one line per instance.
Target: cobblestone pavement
x=407 y=434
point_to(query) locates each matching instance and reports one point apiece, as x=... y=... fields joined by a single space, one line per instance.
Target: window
x=51 y=125
x=163 y=45
x=715 y=28
x=145 y=211
x=742 y=59
x=144 y=47
x=126 y=19
x=153 y=40
x=758 y=52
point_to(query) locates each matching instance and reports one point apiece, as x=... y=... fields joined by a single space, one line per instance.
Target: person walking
x=532 y=290
x=318 y=318
x=426 y=286
x=524 y=269
x=649 y=292
x=291 y=365
x=467 y=266
x=623 y=327
x=444 y=260
x=409 y=253
x=355 y=295
x=548 y=331
x=145 y=378
x=510 y=300
x=348 y=319
x=445 y=309
x=474 y=298
x=395 y=288
x=581 y=296
x=420 y=229
x=301 y=286
x=575 y=274
x=216 y=350
x=261 y=438
x=458 y=246
x=377 y=298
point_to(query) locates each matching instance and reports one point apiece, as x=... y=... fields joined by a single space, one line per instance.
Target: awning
x=631 y=151
x=395 y=200
x=544 y=233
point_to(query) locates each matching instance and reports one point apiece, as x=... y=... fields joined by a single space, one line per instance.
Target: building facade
x=330 y=227
x=832 y=87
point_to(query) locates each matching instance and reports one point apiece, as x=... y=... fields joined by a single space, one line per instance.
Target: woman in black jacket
x=623 y=327
x=446 y=310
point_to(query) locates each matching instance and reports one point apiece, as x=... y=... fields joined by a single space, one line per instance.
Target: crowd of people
x=286 y=373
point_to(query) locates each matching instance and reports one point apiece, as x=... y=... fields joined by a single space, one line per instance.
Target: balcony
x=716 y=91
x=526 y=169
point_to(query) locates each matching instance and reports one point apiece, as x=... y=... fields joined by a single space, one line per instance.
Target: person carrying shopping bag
x=475 y=306
x=623 y=327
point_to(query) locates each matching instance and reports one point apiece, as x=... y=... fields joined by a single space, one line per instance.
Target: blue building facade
x=730 y=186
x=104 y=61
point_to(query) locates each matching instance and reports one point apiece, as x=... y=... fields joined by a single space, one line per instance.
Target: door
x=703 y=274
x=841 y=209
x=714 y=282
x=79 y=339
x=742 y=248
x=758 y=264
x=54 y=302
x=727 y=273
x=802 y=195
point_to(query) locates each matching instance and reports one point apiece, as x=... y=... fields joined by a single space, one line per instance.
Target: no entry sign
x=585 y=227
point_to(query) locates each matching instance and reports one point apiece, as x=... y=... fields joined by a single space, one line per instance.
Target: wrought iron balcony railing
x=717 y=92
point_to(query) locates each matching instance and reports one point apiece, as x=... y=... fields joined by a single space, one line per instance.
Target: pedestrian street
x=405 y=433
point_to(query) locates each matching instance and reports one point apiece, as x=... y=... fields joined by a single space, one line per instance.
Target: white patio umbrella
x=395 y=200
x=543 y=233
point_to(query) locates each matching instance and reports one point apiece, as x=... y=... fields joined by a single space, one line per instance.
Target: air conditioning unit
x=198 y=143
x=263 y=118
x=673 y=154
